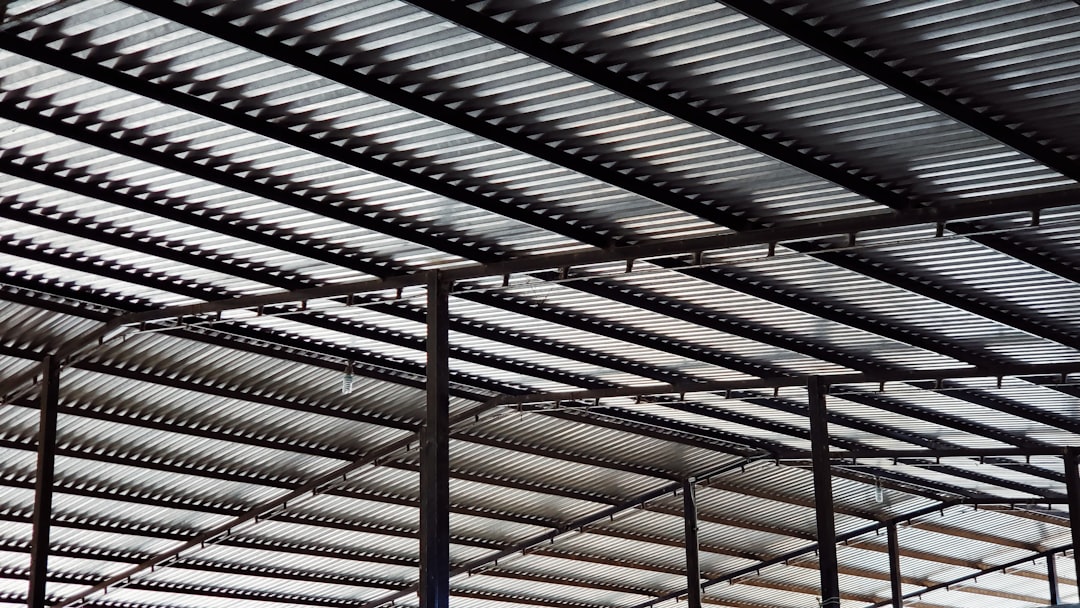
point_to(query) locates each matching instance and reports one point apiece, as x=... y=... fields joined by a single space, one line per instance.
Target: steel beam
x=969 y=301
x=795 y=231
x=450 y=242
x=43 y=483
x=947 y=585
x=550 y=537
x=823 y=496
x=690 y=540
x=849 y=456
x=483 y=126
x=1052 y=579
x=707 y=117
x=770 y=448
x=753 y=569
x=793 y=381
x=894 y=568
x=434 y=589
x=574 y=229
x=1072 y=485
x=864 y=59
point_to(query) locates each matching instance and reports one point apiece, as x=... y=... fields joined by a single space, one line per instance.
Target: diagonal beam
x=796 y=231
x=166 y=282
x=367 y=160
x=261 y=511
x=286 y=49
x=575 y=229
x=702 y=113
x=1016 y=249
x=736 y=438
x=26 y=113
x=678 y=105
x=864 y=58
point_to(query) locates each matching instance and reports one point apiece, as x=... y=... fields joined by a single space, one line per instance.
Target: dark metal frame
x=895 y=578
x=43 y=483
x=690 y=540
x=435 y=566
x=823 y=495
x=434 y=587
x=1049 y=553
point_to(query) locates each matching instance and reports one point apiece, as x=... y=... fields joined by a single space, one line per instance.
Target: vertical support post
x=894 y=568
x=43 y=484
x=1051 y=577
x=435 y=453
x=693 y=565
x=823 y=496
x=1072 y=486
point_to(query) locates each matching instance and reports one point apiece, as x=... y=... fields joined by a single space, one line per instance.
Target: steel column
x=693 y=565
x=43 y=485
x=434 y=587
x=1072 y=485
x=894 y=568
x=823 y=496
x=1051 y=577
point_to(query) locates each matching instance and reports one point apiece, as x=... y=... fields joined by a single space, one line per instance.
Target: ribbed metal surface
x=157 y=154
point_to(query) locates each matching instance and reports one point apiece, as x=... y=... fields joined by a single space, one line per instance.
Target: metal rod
x=693 y=564
x=894 y=568
x=435 y=453
x=1072 y=485
x=1052 y=578
x=823 y=496
x=43 y=485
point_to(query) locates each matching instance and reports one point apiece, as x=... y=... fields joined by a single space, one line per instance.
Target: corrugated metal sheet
x=149 y=163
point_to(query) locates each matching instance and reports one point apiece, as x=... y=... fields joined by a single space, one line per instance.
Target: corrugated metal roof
x=155 y=154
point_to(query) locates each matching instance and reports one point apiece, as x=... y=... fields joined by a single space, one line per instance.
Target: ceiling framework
x=236 y=236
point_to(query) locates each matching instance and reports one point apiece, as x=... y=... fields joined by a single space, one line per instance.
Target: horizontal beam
x=796 y=231
x=947 y=585
x=1062 y=370
x=854 y=455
